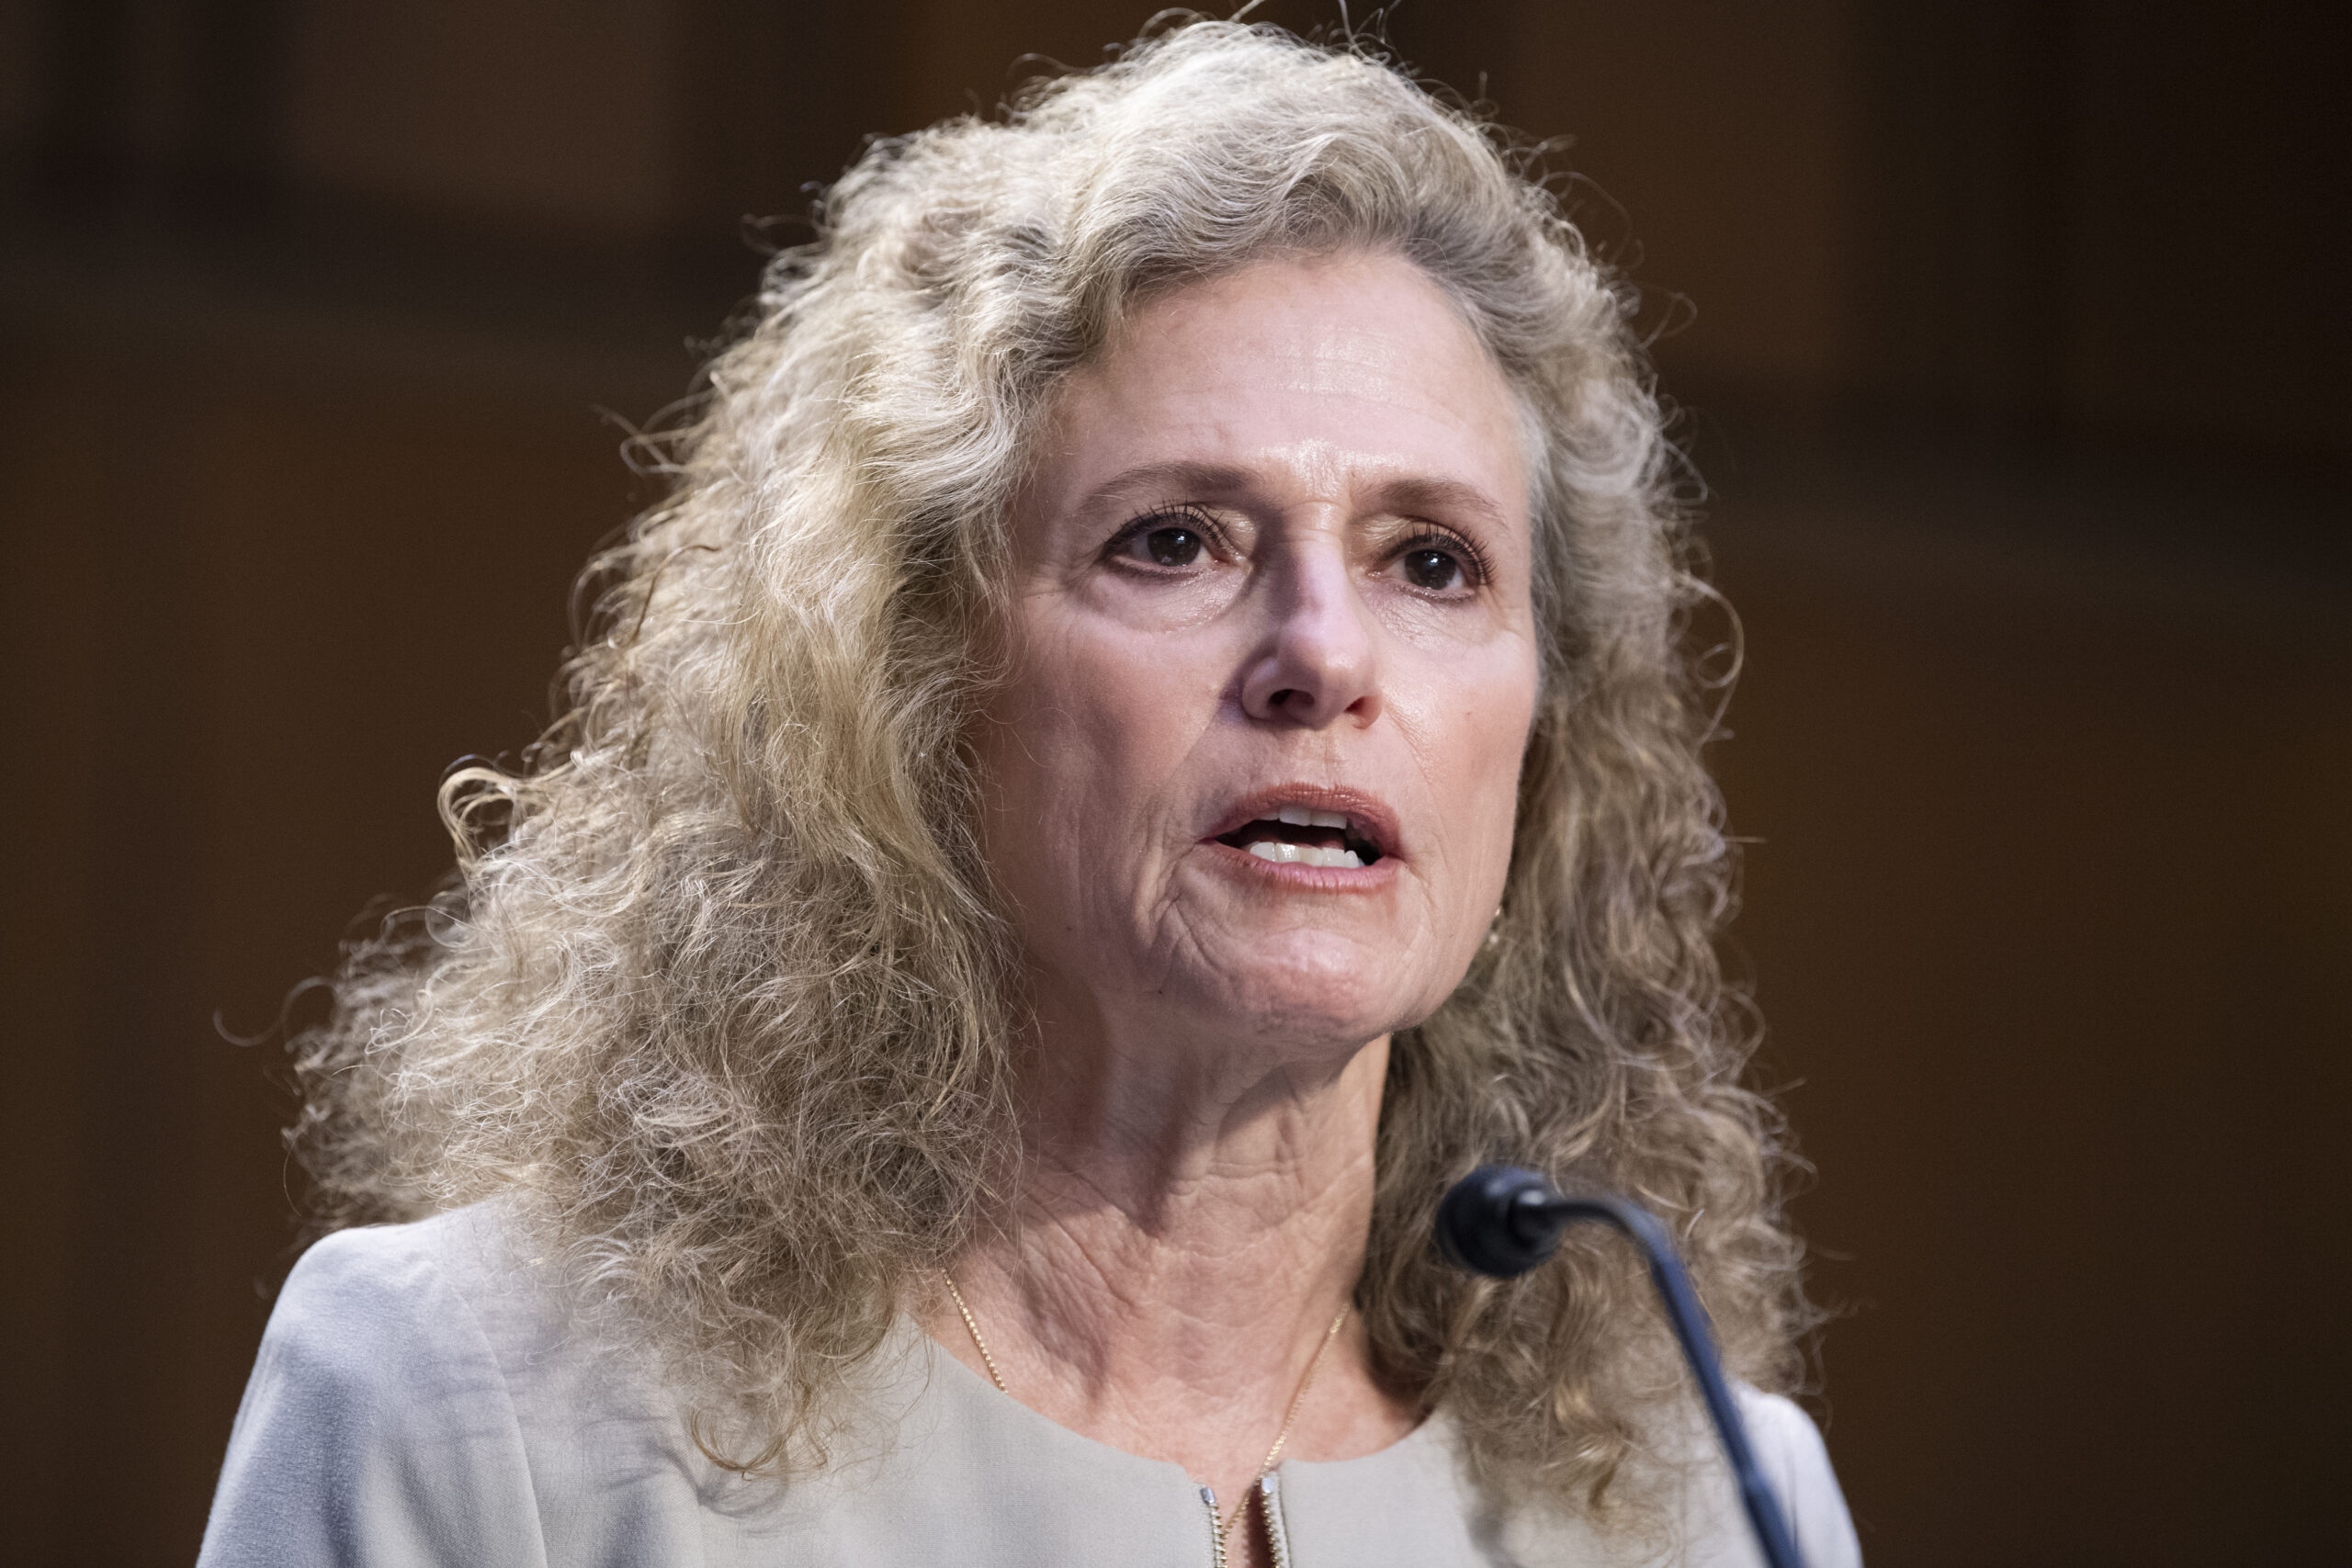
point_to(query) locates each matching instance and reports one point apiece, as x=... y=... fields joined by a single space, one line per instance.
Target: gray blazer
x=420 y=1400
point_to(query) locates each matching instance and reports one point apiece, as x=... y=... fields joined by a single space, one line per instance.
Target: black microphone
x=1502 y=1220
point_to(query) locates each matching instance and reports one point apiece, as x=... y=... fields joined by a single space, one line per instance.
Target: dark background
x=2016 y=366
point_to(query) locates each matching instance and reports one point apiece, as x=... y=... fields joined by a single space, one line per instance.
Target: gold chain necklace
x=1226 y=1521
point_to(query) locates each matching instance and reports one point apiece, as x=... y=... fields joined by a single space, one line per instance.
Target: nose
x=1319 y=661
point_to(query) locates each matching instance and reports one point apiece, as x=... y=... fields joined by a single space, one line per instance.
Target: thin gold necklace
x=1226 y=1521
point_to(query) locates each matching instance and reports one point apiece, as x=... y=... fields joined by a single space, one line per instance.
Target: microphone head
x=1486 y=1221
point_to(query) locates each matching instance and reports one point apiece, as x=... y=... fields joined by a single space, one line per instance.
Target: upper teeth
x=1300 y=817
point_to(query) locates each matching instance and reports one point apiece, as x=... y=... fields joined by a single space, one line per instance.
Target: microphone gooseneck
x=1502 y=1220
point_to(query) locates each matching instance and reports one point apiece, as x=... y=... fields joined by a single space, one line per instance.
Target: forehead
x=1334 y=371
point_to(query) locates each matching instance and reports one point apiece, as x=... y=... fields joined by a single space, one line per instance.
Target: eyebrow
x=1188 y=479
x=1413 y=496
x=1409 y=496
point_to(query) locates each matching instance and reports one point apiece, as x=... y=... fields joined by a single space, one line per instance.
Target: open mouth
x=1299 y=835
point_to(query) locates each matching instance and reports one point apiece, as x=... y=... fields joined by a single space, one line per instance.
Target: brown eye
x=1168 y=539
x=1173 y=545
x=1433 y=568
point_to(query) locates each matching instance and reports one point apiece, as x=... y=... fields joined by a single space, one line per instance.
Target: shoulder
x=1795 y=1459
x=378 y=1426
x=358 y=1295
x=430 y=1393
x=409 y=1318
x=1705 y=1524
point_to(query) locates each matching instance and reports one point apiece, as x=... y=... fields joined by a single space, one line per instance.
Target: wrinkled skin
x=1330 y=593
x=1274 y=551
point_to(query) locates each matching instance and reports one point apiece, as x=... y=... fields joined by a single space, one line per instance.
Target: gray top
x=419 y=1400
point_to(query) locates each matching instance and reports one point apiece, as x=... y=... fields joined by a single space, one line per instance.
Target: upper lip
x=1369 y=818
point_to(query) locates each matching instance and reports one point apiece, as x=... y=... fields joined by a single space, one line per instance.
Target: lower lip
x=1291 y=875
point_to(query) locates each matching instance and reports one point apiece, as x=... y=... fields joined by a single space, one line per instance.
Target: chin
x=1317 y=1006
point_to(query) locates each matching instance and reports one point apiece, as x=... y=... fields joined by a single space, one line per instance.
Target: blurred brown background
x=2015 y=366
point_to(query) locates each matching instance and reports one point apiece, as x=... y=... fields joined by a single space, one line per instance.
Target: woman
x=1149 y=741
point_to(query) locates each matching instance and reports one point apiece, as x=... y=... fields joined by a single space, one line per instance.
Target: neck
x=1208 y=1225
x=1187 y=1227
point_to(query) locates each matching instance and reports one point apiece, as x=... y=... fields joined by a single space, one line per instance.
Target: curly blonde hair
x=720 y=996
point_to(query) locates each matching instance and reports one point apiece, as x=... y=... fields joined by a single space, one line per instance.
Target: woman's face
x=1275 y=663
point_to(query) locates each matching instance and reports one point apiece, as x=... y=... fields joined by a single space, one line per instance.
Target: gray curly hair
x=720 y=997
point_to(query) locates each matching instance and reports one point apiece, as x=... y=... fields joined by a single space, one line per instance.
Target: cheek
x=1076 y=732
x=1482 y=749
